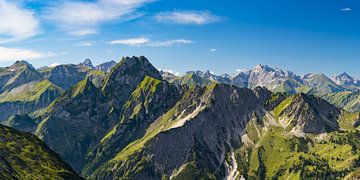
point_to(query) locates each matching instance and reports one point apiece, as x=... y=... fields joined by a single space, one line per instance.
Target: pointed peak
x=134 y=66
x=308 y=113
x=21 y=64
x=87 y=63
x=83 y=87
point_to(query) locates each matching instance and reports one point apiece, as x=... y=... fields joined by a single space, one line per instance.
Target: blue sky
x=218 y=35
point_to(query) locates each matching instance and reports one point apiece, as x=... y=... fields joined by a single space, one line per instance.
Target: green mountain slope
x=150 y=99
x=350 y=101
x=191 y=79
x=198 y=139
x=24 y=156
x=74 y=122
x=65 y=76
x=27 y=98
x=320 y=84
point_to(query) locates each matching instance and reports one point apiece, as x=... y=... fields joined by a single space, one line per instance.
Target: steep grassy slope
x=28 y=97
x=74 y=122
x=320 y=84
x=191 y=79
x=151 y=99
x=350 y=101
x=197 y=136
x=77 y=121
x=274 y=151
x=24 y=156
x=65 y=76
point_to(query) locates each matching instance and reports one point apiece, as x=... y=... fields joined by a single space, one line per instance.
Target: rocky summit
x=135 y=122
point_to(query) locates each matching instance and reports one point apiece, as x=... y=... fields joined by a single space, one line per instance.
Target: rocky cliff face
x=151 y=99
x=86 y=113
x=24 y=156
x=74 y=122
x=346 y=80
x=308 y=114
x=87 y=63
x=124 y=78
x=106 y=67
x=64 y=76
x=22 y=123
x=205 y=125
x=24 y=90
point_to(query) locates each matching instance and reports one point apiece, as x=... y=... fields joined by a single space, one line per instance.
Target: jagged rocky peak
x=87 y=63
x=106 y=67
x=345 y=79
x=262 y=93
x=21 y=64
x=126 y=75
x=136 y=66
x=308 y=114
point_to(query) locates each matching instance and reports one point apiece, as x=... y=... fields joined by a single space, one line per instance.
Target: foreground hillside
x=136 y=125
x=24 y=156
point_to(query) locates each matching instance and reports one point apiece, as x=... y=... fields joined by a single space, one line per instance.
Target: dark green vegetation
x=24 y=156
x=132 y=123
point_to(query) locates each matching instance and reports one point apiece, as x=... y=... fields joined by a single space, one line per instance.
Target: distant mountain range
x=135 y=122
x=274 y=79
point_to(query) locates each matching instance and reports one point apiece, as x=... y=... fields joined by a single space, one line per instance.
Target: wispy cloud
x=170 y=71
x=132 y=41
x=213 y=50
x=346 y=9
x=187 y=17
x=142 y=41
x=80 y=18
x=11 y=54
x=54 y=64
x=16 y=22
x=84 y=44
x=169 y=43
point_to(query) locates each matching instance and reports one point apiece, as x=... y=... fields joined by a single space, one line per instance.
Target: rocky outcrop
x=106 y=67
x=124 y=78
x=64 y=76
x=205 y=125
x=87 y=63
x=75 y=122
x=308 y=114
x=151 y=99
x=22 y=123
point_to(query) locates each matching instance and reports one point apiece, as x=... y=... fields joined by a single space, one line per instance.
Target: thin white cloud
x=213 y=50
x=80 y=18
x=240 y=70
x=346 y=9
x=170 y=71
x=54 y=64
x=83 y=44
x=169 y=43
x=16 y=22
x=51 y=54
x=142 y=41
x=187 y=17
x=11 y=54
x=132 y=41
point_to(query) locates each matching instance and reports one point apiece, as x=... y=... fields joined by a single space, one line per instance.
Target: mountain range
x=136 y=122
